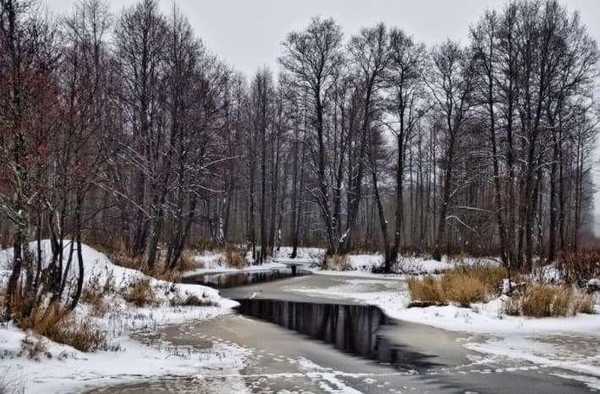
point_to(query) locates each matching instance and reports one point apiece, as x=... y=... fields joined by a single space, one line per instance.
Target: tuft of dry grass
x=338 y=262
x=141 y=293
x=462 y=288
x=512 y=306
x=463 y=285
x=94 y=293
x=584 y=303
x=548 y=301
x=33 y=347
x=233 y=257
x=124 y=259
x=11 y=383
x=427 y=289
x=95 y=298
x=57 y=324
x=187 y=261
x=193 y=300
x=578 y=268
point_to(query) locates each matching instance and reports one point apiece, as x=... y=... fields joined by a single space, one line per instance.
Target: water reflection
x=356 y=329
x=234 y=279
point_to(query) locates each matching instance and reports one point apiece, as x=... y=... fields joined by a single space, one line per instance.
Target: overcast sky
x=247 y=33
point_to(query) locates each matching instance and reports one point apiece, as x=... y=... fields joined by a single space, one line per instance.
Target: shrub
x=538 y=300
x=94 y=297
x=33 y=347
x=463 y=285
x=338 y=262
x=462 y=288
x=512 y=306
x=427 y=289
x=57 y=324
x=9 y=384
x=126 y=260
x=547 y=300
x=579 y=267
x=187 y=262
x=193 y=300
x=141 y=293
x=82 y=335
x=584 y=303
x=490 y=276
x=234 y=258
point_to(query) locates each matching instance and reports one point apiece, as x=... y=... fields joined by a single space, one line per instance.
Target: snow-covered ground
x=360 y=265
x=547 y=342
x=571 y=344
x=62 y=368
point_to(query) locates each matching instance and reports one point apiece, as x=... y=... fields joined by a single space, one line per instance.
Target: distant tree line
x=126 y=130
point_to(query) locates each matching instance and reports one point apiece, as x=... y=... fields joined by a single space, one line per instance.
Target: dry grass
x=462 y=289
x=579 y=267
x=141 y=293
x=548 y=301
x=512 y=306
x=338 y=262
x=427 y=289
x=95 y=299
x=234 y=257
x=33 y=347
x=584 y=303
x=57 y=324
x=124 y=259
x=94 y=294
x=193 y=300
x=187 y=261
x=11 y=383
x=464 y=285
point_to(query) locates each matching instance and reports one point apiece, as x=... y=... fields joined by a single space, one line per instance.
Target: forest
x=124 y=130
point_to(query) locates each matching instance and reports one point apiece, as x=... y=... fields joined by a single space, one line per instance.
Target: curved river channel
x=297 y=342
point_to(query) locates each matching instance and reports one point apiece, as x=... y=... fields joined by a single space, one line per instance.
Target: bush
x=141 y=293
x=512 y=306
x=584 y=303
x=187 y=262
x=579 y=267
x=57 y=324
x=193 y=300
x=33 y=347
x=462 y=288
x=126 y=260
x=9 y=384
x=338 y=262
x=427 y=289
x=95 y=299
x=234 y=258
x=538 y=301
x=547 y=301
x=464 y=285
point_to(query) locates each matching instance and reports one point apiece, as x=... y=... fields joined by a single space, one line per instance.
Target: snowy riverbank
x=60 y=368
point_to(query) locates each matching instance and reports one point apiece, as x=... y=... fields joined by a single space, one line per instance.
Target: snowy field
x=571 y=344
x=62 y=368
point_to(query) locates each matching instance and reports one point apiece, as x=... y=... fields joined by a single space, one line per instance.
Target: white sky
x=247 y=33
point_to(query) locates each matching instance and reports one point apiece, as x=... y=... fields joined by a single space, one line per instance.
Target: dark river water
x=355 y=329
x=235 y=279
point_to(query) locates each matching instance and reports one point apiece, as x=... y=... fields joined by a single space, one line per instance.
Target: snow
x=63 y=369
x=594 y=284
x=569 y=344
x=481 y=318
